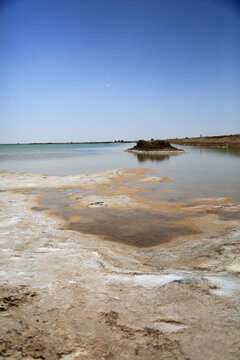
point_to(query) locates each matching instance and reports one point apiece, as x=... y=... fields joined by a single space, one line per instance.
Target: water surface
x=202 y=172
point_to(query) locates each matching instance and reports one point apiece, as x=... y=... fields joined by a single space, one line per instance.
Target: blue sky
x=81 y=70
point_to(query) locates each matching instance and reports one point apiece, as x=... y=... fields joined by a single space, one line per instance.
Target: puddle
x=115 y=216
x=132 y=227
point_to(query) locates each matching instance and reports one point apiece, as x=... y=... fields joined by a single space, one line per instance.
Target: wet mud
x=14 y=297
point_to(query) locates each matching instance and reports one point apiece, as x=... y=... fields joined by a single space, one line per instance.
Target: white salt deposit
x=146 y=281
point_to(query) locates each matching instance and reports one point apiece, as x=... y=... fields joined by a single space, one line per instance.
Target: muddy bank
x=69 y=295
x=225 y=141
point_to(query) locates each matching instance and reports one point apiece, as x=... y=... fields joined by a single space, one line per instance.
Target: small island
x=160 y=147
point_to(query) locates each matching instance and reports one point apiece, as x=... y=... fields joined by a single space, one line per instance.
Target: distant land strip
x=85 y=142
x=222 y=141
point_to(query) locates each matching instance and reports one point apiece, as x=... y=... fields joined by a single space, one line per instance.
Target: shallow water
x=203 y=172
x=134 y=227
x=200 y=173
x=89 y=212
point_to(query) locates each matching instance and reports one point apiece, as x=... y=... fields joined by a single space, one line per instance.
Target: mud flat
x=68 y=294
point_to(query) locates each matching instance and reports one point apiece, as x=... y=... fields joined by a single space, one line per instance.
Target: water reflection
x=225 y=151
x=152 y=157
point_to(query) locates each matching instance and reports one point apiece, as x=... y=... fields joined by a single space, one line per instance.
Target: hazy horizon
x=79 y=71
x=118 y=141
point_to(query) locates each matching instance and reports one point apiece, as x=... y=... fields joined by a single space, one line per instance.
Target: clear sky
x=81 y=70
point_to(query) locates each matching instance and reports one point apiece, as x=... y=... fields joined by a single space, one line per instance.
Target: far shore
x=220 y=141
x=75 y=142
x=85 y=142
x=223 y=141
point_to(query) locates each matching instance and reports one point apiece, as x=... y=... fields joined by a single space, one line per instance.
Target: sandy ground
x=67 y=295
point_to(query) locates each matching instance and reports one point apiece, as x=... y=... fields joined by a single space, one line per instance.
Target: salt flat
x=72 y=295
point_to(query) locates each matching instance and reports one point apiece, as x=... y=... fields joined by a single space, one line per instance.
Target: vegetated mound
x=154 y=145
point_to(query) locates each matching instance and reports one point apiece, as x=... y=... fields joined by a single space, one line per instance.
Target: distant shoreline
x=85 y=142
x=222 y=141
x=73 y=143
